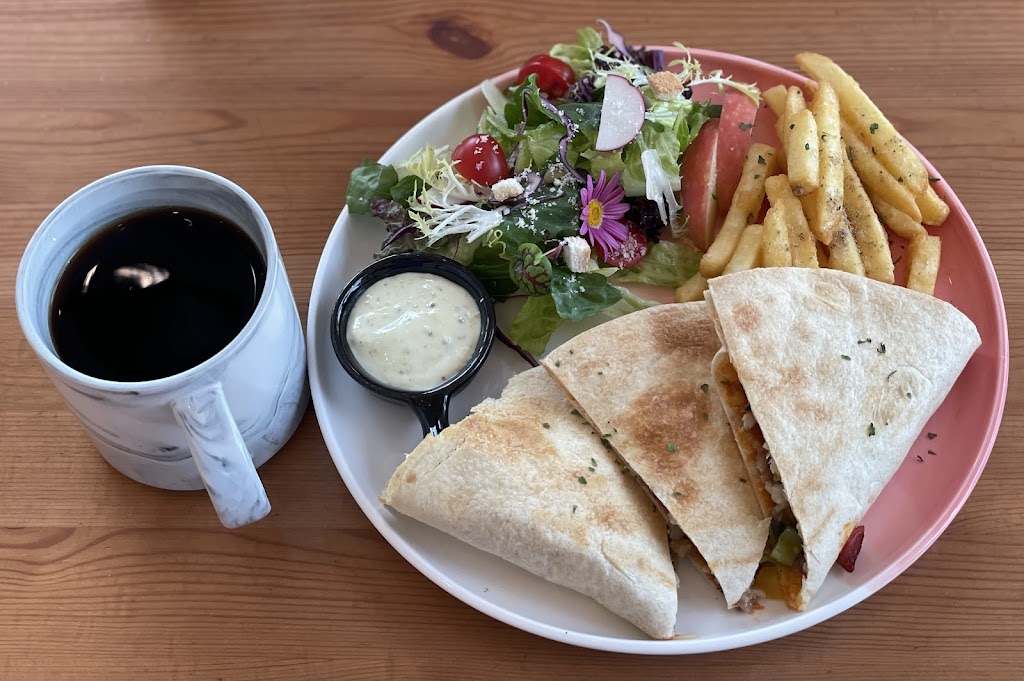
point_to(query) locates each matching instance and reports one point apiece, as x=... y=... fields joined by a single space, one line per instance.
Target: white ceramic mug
x=213 y=424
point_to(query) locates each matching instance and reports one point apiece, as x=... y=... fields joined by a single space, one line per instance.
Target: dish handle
x=432 y=411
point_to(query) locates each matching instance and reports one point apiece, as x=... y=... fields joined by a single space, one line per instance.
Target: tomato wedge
x=554 y=76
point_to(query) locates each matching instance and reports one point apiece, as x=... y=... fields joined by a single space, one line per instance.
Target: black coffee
x=155 y=294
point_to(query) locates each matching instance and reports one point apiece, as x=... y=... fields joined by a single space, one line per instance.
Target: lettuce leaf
x=578 y=296
x=579 y=55
x=666 y=264
x=369 y=181
x=536 y=322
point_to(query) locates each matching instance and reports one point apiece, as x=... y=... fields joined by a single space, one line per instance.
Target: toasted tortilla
x=525 y=478
x=644 y=381
x=841 y=373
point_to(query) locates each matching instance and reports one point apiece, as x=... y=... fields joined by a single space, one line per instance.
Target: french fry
x=692 y=289
x=877 y=180
x=842 y=252
x=747 y=255
x=867 y=230
x=775 y=97
x=794 y=104
x=746 y=204
x=810 y=206
x=934 y=210
x=802 y=153
x=775 y=241
x=896 y=220
x=869 y=121
x=790 y=212
x=829 y=197
x=923 y=263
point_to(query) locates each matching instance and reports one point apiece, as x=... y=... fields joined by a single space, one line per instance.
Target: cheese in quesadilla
x=828 y=379
x=644 y=382
x=524 y=477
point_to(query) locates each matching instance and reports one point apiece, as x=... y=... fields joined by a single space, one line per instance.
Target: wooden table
x=101 y=577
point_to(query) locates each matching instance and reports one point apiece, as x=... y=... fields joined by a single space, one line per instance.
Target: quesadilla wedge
x=643 y=381
x=828 y=379
x=525 y=478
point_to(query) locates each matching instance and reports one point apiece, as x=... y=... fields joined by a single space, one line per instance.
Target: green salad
x=566 y=191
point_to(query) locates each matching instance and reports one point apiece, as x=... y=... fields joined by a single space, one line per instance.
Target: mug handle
x=221 y=456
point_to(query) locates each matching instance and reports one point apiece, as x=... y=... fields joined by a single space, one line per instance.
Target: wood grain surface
x=102 y=578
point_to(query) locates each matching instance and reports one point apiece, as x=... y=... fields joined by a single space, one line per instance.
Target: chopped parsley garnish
x=570 y=352
x=671 y=446
x=792 y=125
x=726 y=382
x=593 y=462
x=757 y=176
x=846 y=357
x=908 y=395
x=933 y=179
x=591 y=469
x=714 y=196
x=849 y=152
x=881 y=348
x=746 y=126
x=605 y=441
x=574 y=508
x=558 y=362
x=575 y=412
x=866 y=340
x=760 y=160
x=677 y=494
x=873 y=127
x=547 y=425
x=871 y=429
x=600 y=373
x=900 y=179
x=742 y=479
x=581 y=480
x=919 y=458
x=932 y=453
x=807 y=146
x=705 y=416
x=932 y=436
x=704 y=387
x=897 y=260
x=890 y=375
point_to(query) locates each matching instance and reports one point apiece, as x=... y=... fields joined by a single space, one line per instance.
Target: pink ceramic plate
x=368 y=438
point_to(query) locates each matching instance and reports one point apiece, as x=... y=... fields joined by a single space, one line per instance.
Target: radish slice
x=622 y=114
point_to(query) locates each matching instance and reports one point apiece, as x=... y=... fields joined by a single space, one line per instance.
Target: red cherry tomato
x=630 y=253
x=554 y=76
x=480 y=159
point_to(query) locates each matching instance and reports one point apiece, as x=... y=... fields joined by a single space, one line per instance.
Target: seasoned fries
x=867 y=230
x=934 y=210
x=790 y=212
x=775 y=241
x=846 y=176
x=747 y=255
x=692 y=289
x=746 y=204
x=875 y=177
x=923 y=266
x=896 y=220
x=868 y=120
x=829 y=197
x=802 y=153
x=843 y=252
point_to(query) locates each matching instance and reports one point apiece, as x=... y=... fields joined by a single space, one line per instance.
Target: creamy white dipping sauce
x=414 y=331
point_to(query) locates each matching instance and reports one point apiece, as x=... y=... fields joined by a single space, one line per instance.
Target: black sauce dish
x=430 y=406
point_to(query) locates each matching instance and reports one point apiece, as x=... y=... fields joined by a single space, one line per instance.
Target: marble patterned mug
x=211 y=425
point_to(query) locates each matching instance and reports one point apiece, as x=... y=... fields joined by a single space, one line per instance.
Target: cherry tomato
x=480 y=159
x=554 y=76
x=632 y=250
